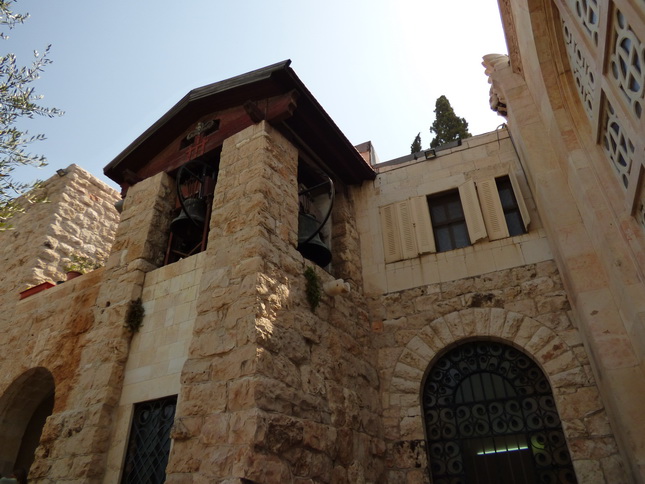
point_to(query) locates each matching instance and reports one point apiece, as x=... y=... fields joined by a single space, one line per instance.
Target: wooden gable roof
x=274 y=93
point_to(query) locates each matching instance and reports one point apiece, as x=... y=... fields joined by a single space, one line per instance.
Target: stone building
x=279 y=306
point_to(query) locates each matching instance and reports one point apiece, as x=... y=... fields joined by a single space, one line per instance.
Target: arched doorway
x=490 y=417
x=24 y=408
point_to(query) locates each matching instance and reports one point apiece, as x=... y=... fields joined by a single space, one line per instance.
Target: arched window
x=490 y=417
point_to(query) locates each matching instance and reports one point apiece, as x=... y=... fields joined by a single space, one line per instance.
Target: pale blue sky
x=376 y=66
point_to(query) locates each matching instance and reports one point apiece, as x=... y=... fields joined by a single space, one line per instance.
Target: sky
x=376 y=66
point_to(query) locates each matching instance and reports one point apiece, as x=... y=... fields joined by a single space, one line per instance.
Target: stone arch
x=489 y=411
x=24 y=407
x=565 y=365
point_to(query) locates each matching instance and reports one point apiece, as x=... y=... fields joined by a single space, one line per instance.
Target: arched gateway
x=24 y=407
x=490 y=417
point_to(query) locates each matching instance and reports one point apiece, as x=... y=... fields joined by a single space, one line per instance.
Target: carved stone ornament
x=496 y=99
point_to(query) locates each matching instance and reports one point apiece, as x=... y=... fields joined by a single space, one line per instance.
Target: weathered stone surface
x=270 y=390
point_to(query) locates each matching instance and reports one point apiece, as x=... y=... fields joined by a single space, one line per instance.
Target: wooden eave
x=308 y=124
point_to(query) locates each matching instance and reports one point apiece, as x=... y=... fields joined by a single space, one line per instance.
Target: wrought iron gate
x=490 y=417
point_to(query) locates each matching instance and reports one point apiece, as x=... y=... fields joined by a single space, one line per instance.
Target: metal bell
x=315 y=249
x=189 y=224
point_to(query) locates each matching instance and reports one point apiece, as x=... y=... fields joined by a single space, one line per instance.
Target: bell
x=315 y=249
x=189 y=224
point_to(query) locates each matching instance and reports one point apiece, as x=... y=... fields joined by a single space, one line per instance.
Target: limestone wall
x=45 y=335
x=159 y=349
x=78 y=218
x=273 y=391
x=525 y=306
x=49 y=332
x=508 y=289
x=587 y=213
x=269 y=389
x=487 y=155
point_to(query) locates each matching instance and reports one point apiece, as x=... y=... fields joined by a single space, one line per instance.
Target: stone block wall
x=487 y=155
x=159 y=349
x=78 y=217
x=526 y=307
x=272 y=391
x=587 y=210
x=77 y=343
x=269 y=389
x=47 y=333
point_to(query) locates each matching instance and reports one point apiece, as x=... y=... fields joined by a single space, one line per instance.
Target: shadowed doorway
x=24 y=408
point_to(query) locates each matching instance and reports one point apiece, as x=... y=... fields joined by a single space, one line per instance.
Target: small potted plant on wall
x=79 y=265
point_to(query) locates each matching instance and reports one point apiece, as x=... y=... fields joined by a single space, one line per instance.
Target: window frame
x=138 y=460
x=453 y=223
x=408 y=229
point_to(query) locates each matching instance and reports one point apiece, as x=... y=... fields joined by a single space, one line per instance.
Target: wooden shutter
x=423 y=225
x=492 y=209
x=526 y=218
x=390 y=231
x=472 y=211
x=408 y=237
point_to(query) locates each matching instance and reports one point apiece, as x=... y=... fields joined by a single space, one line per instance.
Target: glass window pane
x=454 y=209
x=460 y=234
x=515 y=223
x=437 y=213
x=448 y=221
x=442 y=239
x=490 y=424
x=506 y=197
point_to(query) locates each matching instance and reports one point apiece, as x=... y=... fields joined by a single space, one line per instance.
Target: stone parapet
x=78 y=217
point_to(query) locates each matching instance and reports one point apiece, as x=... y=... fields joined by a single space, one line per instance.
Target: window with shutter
x=423 y=225
x=524 y=213
x=390 y=232
x=472 y=212
x=448 y=221
x=512 y=215
x=406 y=229
x=406 y=225
x=492 y=207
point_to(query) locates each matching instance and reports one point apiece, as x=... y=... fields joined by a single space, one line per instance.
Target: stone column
x=596 y=265
x=254 y=223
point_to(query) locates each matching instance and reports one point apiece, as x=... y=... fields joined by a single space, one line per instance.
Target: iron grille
x=149 y=444
x=490 y=417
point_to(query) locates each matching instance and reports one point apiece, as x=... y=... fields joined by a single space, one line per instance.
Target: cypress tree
x=415 y=147
x=447 y=125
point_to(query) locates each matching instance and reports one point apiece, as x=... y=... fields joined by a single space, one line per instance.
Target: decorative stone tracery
x=627 y=62
x=617 y=144
x=586 y=13
x=581 y=70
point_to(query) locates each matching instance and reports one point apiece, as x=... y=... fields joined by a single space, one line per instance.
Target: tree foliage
x=17 y=101
x=415 y=147
x=447 y=125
